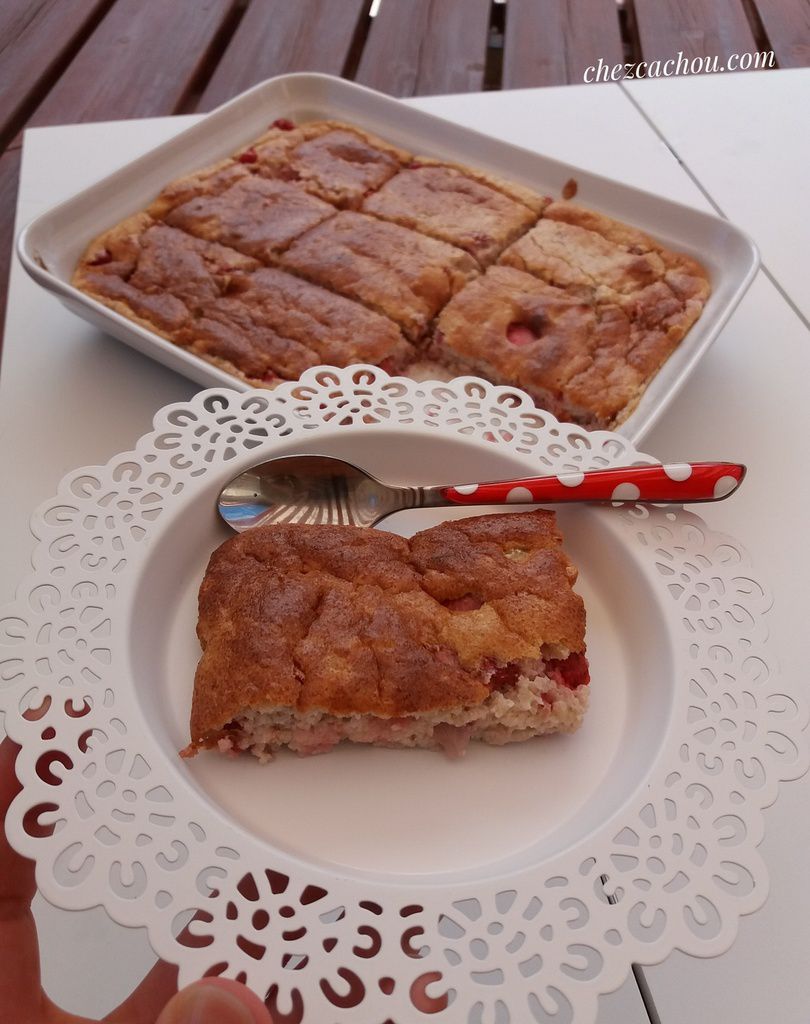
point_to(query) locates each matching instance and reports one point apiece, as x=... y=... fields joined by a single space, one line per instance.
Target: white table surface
x=745 y=138
x=70 y=397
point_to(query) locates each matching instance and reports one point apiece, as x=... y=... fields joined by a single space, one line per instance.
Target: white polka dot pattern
x=571 y=479
x=626 y=492
x=519 y=494
x=678 y=471
x=724 y=486
x=467 y=488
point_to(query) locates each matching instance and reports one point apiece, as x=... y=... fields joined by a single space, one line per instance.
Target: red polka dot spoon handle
x=679 y=483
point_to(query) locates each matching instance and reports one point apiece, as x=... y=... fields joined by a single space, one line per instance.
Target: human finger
x=215 y=1001
x=21 y=996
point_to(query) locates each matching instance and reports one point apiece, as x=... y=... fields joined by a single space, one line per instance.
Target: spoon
x=321 y=489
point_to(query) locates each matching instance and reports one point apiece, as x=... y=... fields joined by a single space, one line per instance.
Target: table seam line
x=645 y=993
x=711 y=200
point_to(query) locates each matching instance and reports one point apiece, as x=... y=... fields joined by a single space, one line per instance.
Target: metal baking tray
x=50 y=246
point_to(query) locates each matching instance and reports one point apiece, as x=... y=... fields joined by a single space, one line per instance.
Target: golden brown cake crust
x=581 y=261
x=535 y=201
x=570 y=355
x=271 y=324
x=453 y=207
x=156 y=274
x=226 y=308
x=683 y=274
x=208 y=180
x=352 y=621
x=401 y=274
x=255 y=216
x=335 y=161
x=604 y=260
x=613 y=266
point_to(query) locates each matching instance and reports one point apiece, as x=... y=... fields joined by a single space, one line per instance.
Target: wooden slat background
x=552 y=41
x=787 y=25
x=278 y=36
x=699 y=28
x=142 y=60
x=27 y=68
x=419 y=47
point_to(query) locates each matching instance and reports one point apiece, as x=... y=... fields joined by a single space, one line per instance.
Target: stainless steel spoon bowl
x=312 y=489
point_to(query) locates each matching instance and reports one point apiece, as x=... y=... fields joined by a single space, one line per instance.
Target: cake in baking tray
x=322 y=243
x=404 y=275
x=312 y=635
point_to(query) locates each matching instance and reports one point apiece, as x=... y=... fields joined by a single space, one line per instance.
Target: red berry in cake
x=504 y=677
x=520 y=334
x=572 y=671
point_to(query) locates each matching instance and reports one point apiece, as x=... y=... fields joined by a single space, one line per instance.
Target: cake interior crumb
x=536 y=703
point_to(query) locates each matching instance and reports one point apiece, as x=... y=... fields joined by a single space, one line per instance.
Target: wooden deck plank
x=553 y=42
x=787 y=24
x=697 y=28
x=276 y=36
x=421 y=47
x=9 y=180
x=141 y=61
x=36 y=38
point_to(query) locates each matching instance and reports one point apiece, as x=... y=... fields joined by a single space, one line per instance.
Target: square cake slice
x=257 y=323
x=454 y=207
x=535 y=201
x=209 y=180
x=336 y=162
x=605 y=260
x=257 y=216
x=582 y=261
x=399 y=273
x=156 y=275
x=574 y=358
x=271 y=325
x=316 y=634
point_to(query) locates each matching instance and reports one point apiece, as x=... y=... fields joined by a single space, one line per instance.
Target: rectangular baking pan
x=50 y=246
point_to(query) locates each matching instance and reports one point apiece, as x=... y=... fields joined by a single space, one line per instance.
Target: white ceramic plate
x=51 y=245
x=528 y=877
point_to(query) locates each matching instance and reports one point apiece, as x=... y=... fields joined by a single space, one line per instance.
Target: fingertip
x=243 y=993
x=8 y=752
x=9 y=785
x=215 y=1001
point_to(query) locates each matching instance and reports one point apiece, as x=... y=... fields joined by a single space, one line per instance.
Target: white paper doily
x=668 y=861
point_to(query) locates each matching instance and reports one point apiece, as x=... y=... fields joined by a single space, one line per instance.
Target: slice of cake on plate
x=316 y=634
